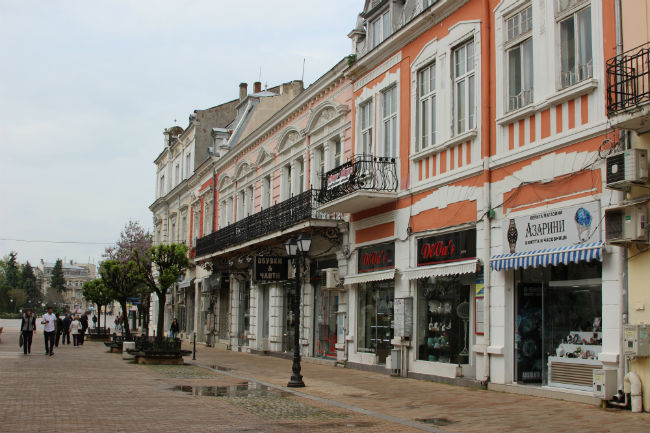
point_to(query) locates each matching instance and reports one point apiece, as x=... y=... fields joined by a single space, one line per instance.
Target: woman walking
x=173 y=330
x=28 y=327
x=75 y=330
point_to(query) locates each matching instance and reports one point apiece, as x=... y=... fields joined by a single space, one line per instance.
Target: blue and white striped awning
x=550 y=256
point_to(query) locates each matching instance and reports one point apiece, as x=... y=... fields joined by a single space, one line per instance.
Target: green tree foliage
x=57 y=280
x=123 y=281
x=10 y=280
x=159 y=268
x=30 y=286
x=98 y=293
x=134 y=241
x=18 y=299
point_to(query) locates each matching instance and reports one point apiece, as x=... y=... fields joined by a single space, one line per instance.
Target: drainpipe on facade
x=622 y=365
x=488 y=235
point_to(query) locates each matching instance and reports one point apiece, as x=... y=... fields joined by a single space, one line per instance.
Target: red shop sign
x=445 y=248
x=376 y=257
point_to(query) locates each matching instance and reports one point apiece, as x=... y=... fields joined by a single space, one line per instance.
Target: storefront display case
x=443 y=320
x=575 y=359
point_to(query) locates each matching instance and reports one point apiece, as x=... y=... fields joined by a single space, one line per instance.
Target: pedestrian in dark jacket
x=173 y=330
x=67 y=320
x=59 y=329
x=84 y=327
x=27 y=329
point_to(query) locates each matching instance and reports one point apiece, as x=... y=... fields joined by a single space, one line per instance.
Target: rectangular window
x=241 y=200
x=250 y=206
x=520 y=59
x=464 y=87
x=188 y=165
x=367 y=120
x=177 y=174
x=266 y=192
x=321 y=162
x=301 y=176
x=380 y=29
x=183 y=234
x=338 y=160
x=162 y=185
x=427 y=106
x=223 y=214
x=389 y=102
x=231 y=211
x=287 y=191
x=575 y=48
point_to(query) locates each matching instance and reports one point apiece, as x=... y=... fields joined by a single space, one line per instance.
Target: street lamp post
x=297 y=249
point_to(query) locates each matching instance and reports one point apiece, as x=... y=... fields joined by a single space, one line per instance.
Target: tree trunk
x=160 y=325
x=125 y=313
x=99 y=318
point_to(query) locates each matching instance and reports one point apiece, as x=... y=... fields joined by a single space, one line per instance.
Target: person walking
x=75 y=330
x=59 y=329
x=27 y=328
x=49 y=328
x=66 y=328
x=173 y=329
x=84 y=327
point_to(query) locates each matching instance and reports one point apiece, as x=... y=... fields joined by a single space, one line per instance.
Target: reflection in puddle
x=244 y=389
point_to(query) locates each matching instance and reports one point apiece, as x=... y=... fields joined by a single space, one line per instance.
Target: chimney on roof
x=257 y=87
x=243 y=91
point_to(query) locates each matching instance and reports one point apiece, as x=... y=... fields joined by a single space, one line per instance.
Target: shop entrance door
x=327 y=304
x=529 y=358
x=224 y=309
x=287 y=317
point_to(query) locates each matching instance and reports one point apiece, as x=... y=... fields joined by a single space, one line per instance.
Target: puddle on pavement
x=220 y=368
x=244 y=389
x=435 y=421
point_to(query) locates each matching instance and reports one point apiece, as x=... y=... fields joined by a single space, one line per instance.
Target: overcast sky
x=87 y=87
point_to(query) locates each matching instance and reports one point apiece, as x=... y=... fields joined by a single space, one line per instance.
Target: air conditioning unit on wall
x=627 y=167
x=626 y=224
x=330 y=278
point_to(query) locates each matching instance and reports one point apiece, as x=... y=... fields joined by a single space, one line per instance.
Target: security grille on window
x=389 y=102
x=464 y=87
x=575 y=48
x=367 y=120
x=519 y=46
x=427 y=106
x=380 y=28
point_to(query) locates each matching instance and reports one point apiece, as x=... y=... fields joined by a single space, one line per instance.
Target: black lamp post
x=297 y=249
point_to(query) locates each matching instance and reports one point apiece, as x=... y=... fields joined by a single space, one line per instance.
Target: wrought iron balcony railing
x=364 y=172
x=628 y=79
x=281 y=216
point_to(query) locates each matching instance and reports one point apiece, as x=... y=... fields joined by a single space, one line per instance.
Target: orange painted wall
x=564 y=188
x=376 y=232
x=454 y=214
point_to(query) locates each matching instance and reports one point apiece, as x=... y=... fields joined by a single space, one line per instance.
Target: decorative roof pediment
x=243 y=169
x=263 y=157
x=325 y=113
x=224 y=182
x=290 y=137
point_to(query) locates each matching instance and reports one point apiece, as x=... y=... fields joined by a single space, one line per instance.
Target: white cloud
x=90 y=86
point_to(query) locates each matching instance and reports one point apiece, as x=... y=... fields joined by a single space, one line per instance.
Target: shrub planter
x=115 y=345
x=99 y=334
x=158 y=350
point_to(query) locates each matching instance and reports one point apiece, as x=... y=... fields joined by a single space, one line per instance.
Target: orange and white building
x=455 y=174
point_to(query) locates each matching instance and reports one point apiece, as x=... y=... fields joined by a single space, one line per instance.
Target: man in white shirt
x=48 y=321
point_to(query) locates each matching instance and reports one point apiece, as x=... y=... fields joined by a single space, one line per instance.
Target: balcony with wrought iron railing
x=628 y=89
x=362 y=183
x=281 y=217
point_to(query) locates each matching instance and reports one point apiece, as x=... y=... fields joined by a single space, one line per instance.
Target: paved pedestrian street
x=87 y=389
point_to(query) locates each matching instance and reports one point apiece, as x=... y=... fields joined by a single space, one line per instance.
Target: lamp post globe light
x=297 y=249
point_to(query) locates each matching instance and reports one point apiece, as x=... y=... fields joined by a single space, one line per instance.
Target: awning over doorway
x=550 y=256
x=453 y=268
x=369 y=276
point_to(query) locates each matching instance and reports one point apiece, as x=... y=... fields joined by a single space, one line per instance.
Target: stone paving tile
x=87 y=389
x=467 y=409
